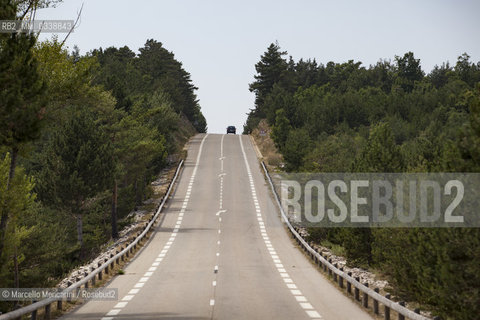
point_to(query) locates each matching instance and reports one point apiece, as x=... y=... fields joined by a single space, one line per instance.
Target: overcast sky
x=219 y=41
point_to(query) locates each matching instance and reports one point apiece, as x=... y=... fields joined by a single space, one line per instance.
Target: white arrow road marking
x=221 y=211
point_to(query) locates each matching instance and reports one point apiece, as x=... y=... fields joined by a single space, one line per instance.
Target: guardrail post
x=85 y=274
x=113 y=262
x=60 y=304
x=357 y=291
x=330 y=270
x=375 y=302
x=118 y=259
x=100 y=276
x=349 y=285
x=401 y=316
x=340 y=279
x=34 y=313
x=93 y=279
x=365 y=297
x=106 y=267
x=334 y=274
x=47 y=312
x=78 y=288
x=324 y=265
x=387 y=309
x=69 y=283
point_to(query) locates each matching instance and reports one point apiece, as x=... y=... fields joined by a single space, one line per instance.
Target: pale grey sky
x=219 y=41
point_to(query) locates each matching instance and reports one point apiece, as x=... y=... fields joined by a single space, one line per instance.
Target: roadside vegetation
x=267 y=148
x=387 y=117
x=81 y=138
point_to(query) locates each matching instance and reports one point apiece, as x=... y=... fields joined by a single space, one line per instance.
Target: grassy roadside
x=269 y=153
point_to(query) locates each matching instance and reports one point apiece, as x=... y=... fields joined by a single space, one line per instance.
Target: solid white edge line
x=313 y=314
x=113 y=312
x=120 y=305
x=288 y=281
x=306 y=305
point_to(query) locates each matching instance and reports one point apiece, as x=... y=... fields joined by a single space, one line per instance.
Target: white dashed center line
x=219 y=213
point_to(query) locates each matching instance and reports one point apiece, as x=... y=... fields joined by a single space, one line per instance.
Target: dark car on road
x=231 y=129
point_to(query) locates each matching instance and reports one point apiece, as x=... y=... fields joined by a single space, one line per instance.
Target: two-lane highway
x=221 y=251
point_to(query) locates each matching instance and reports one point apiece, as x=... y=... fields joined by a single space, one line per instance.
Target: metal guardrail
x=97 y=272
x=340 y=276
x=337 y=273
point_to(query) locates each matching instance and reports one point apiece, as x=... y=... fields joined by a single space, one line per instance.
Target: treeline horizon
x=388 y=117
x=81 y=139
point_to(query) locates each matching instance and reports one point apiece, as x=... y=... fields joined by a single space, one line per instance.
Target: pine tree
x=408 y=71
x=381 y=154
x=297 y=146
x=22 y=100
x=161 y=70
x=281 y=129
x=78 y=164
x=270 y=70
x=18 y=198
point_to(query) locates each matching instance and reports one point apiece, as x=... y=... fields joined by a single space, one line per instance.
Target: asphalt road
x=221 y=251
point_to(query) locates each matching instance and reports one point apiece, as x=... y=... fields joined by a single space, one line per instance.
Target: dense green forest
x=81 y=138
x=388 y=117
